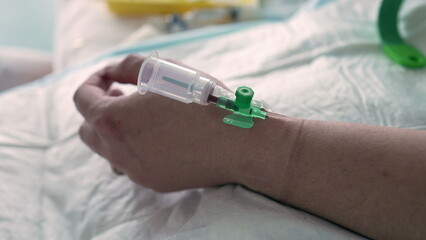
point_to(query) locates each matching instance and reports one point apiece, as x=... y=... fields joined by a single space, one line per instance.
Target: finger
x=115 y=92
x=90 y=137
x=126 y=71
x=91 y=93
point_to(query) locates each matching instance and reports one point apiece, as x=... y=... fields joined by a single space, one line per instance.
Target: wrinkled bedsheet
x=323 y=63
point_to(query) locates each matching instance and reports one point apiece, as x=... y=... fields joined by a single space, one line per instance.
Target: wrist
x=267 y=149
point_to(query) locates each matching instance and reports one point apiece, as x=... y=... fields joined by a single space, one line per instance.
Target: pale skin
x=367 y=178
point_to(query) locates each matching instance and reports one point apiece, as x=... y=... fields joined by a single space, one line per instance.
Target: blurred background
x=41 y=36
x=31 y=23
x=27 y=23
x=26 y=40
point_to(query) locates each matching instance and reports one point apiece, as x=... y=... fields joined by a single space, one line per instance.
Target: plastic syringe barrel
x=174 y=81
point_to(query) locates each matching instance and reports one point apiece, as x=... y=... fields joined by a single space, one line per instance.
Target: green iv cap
x=242 y=107
x=244 y=95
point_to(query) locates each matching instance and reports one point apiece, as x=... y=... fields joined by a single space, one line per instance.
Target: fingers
x=126 y=71
x=115 y=92
x=91 y=93
x=90 y=137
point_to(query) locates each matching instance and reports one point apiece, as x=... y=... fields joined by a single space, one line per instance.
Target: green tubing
x=392 y=43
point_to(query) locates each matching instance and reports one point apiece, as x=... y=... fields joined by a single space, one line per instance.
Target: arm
x=367 y=178
x=370 y=179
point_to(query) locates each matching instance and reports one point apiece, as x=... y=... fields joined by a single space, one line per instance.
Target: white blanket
x=324 y=63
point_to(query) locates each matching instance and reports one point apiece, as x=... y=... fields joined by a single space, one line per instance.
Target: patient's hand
x=159 y=143
x=367 y=178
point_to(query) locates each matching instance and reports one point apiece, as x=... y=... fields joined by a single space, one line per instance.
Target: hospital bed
x=322 y=61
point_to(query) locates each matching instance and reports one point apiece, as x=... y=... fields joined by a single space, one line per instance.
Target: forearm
x=367 y=178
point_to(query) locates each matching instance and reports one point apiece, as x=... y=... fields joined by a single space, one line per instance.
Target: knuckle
x=103 y=122
x=106 y=71
x=102 y=125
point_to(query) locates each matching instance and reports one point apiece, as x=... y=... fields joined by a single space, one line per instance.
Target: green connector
x=242 y=107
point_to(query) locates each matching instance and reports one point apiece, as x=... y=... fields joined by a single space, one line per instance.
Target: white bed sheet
x=86 y=28
x=322 y=64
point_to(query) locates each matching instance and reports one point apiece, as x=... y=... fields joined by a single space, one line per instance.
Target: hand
x=158 y=142
x=167 y=145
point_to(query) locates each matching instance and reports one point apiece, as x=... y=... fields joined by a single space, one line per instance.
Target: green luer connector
x=242 y=107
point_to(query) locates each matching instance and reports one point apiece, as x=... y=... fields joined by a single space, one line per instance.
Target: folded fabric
x=325 y=63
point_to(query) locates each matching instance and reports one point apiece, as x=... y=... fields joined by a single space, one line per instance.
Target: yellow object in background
x=150 y=7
